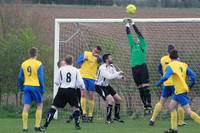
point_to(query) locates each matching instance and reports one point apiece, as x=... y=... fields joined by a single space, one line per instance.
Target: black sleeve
x=137 y=31
x=128 y=31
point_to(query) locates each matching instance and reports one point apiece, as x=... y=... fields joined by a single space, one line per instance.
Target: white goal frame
x=59 y=21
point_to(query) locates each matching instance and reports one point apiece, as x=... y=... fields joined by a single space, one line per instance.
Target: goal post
x=90 y=23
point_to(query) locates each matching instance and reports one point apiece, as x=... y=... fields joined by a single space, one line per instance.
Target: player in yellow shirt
x=167 y=91
x=31 y=82
x=178 y=71
x=89 y=62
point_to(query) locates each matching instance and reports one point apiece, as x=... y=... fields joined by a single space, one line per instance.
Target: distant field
x=130 y=126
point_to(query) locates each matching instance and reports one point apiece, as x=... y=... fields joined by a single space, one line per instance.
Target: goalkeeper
x=138 y=64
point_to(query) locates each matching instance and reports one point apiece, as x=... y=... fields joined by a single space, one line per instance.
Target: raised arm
x=21 y=80
x=140 y=37
x=80 y=59
x=167 y=74
x=129 y=35
x=41 y=78
x=192 y=75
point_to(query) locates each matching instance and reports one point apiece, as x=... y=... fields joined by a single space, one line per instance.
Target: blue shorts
x=182 y=99
x=167 y=91
x=89 y=84
x=32 y=93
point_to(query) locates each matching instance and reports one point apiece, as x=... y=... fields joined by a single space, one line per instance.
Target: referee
x=138 y=64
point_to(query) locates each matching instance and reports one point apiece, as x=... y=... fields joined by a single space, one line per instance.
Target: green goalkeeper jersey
x=138 y=50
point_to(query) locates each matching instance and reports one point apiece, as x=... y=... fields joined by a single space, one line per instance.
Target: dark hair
x=58 y=64
x=69 y=59
x=105 y=57
x=173 y=54
x=33 y=52
x=170 y=48
x=99 y=48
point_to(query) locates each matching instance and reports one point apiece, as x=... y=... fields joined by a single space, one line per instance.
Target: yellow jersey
x=179 y=76
x=164 y=61
x=30 y=69
x=89 y=66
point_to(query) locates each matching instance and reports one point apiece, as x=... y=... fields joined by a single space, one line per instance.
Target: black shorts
x=66 y=95
x=105 y=91
x=140 y=74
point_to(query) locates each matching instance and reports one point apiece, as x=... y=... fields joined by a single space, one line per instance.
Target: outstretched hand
x=128 y=21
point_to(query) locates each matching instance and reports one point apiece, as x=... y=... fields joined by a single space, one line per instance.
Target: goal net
x=73 y=36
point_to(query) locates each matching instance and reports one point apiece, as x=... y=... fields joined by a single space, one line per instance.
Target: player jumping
x=138 y=64
x=68 y=78
x=167 y=91
x=89 y=62
x=179 y=71
x=31 y=83
x=107 y=72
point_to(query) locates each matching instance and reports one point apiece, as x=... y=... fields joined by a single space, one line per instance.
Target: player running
x=167 y=91
x=107 y=72
x=89 y=62
x=31 y=83
x=138 y=64
x=178 y=71
x=68 y=78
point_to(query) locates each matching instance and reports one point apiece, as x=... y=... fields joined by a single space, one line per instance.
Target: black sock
x=117 y=110
x=148 y=97
x=76 y=116
x=143 y=97
x=109 y=112
x=49 y=116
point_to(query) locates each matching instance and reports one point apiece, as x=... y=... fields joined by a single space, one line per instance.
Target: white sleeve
x=79 y=82
x=58 y=78
x=106 y=74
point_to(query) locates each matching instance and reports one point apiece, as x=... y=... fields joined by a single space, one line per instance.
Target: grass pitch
x=130 y=126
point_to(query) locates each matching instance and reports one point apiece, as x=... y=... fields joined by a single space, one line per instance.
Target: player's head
x=107 y=58
x=61 y=63
x=173 y=54
x=69 y=60
x=170 y=48
x=33 y=52
x=97 y=50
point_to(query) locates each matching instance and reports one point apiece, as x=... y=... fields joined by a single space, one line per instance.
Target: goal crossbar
x=141 y=20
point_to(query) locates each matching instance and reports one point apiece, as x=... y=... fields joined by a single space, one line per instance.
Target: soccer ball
x=131 y=9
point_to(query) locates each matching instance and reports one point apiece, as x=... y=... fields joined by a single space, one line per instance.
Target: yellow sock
x=25 y=120
x=38 y=117
x=91 y=108
x=195 y=117
x=156 y=111
x=181 y=115
x=174 y=120
x=83 y=104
